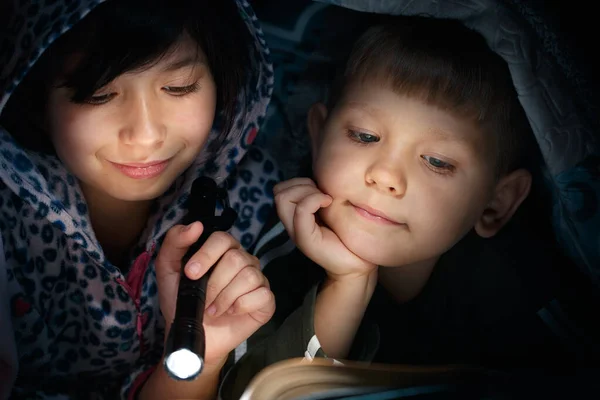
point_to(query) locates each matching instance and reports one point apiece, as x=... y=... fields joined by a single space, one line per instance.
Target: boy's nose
x=143 y=125
x=386 y=178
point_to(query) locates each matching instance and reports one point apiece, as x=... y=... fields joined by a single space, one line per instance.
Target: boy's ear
x=509 y=193
x=317 y=115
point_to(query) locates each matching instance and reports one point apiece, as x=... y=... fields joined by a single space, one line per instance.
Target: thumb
x=178 y=240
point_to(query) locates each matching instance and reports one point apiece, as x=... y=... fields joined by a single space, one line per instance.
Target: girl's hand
x=238 y=298
x=297 y=200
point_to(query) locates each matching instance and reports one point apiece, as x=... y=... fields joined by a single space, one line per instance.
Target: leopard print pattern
x=79 y=321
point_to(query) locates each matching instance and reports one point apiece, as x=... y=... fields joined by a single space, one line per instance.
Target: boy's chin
x=376 y=252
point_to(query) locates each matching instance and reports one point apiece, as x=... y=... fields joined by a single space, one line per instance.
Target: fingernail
x=194 y=269
x=211 y=310
x=187 y=227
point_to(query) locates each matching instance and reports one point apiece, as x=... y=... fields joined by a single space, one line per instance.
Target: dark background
x=575 y=22
x=578 y=24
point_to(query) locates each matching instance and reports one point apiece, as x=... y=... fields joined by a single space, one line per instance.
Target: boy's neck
x=404 y=283
x=117 y=223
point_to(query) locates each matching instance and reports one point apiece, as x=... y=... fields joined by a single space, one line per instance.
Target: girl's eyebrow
x=182 y=63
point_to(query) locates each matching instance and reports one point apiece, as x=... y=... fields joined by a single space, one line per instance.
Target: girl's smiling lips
x=142 y=170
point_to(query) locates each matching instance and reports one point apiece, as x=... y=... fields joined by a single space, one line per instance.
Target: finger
x=287 y=200
x=177 y=241
x=211 y=251
x=246 y=281
x=306 y=229
x=232 y=262
x=292 y=182
x=259 y=300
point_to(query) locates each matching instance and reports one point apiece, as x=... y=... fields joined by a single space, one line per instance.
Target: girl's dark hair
x=126 y=35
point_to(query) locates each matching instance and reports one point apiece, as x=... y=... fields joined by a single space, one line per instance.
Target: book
x=321 y=378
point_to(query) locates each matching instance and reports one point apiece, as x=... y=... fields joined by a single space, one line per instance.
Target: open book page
x=299 y=379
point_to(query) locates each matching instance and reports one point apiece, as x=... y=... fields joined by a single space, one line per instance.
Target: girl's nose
x=144 y=126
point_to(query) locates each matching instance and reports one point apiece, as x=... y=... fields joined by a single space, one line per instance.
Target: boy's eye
x=363 y=137
x=438 y=164
x=181 y=90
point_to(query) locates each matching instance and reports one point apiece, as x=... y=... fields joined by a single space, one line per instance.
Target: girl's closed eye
x=98 y=99
x=180 y=91
x=438 y=166
x=176 y=91
x=362 y=137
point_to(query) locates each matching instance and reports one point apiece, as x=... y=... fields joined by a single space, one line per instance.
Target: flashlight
x=186 y=343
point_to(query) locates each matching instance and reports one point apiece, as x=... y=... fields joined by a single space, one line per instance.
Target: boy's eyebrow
x=362 y=107
x=182 y=63
x=438 y=132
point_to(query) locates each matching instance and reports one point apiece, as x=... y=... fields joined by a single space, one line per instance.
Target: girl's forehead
x=184 y=47
x=183 y=53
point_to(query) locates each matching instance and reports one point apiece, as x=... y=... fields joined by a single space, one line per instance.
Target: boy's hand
x=238 y=298
x=346 y=293
x=297 y=201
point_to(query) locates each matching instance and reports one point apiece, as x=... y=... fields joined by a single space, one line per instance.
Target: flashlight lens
x=183 y=364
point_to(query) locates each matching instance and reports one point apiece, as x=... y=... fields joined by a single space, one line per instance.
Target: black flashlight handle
x=187 y=330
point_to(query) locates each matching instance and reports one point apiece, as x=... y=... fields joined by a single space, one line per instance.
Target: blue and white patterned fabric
x=76 y=318
x=8 y=351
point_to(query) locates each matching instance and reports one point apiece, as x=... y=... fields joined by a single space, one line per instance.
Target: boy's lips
x=374 y=215
x=142 y=170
